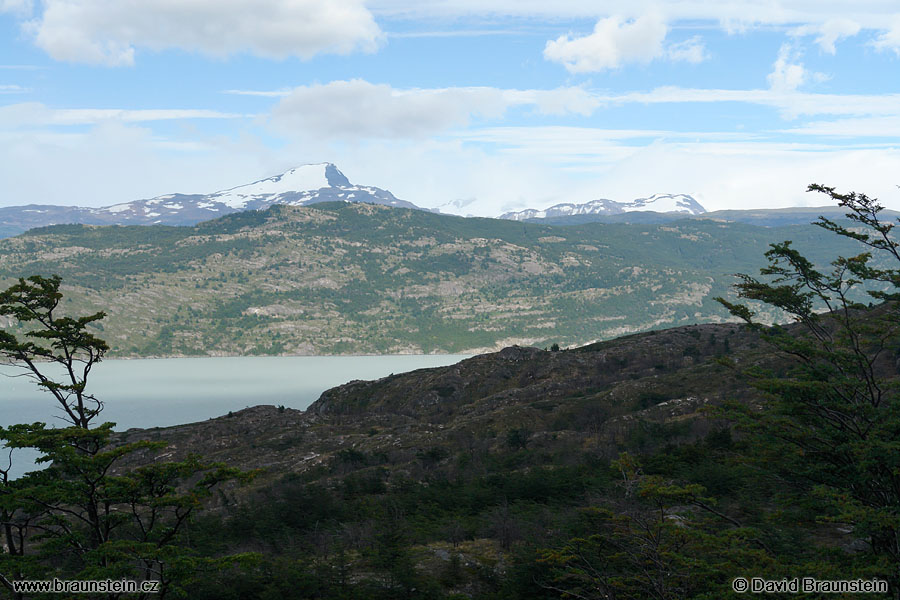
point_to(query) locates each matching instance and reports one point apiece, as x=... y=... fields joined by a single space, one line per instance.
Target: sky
x=476 y=107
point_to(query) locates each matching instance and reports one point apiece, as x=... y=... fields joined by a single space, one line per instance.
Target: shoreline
x=183 y=356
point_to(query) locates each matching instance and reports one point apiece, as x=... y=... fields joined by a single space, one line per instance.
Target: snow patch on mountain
x=302 y=179
x=661 y=203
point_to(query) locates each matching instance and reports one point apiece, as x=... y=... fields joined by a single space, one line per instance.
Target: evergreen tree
x=87 y=516
x=830 y=429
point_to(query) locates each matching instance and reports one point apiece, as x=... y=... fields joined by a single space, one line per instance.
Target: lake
x=171 y=391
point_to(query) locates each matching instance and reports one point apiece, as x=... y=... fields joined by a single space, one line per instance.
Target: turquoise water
x=171 y=391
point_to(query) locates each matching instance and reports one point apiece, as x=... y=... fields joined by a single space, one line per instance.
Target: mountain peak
x=313 y=176
x=334 y=176
x=305 y=178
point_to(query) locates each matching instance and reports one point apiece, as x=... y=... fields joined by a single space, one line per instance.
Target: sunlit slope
x=342 y=278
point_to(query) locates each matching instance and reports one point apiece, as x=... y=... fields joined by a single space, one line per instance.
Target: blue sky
x=478 y=107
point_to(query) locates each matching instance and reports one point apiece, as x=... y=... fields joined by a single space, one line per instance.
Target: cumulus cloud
x=614 y=42
x=108 y=31
x=360 y=109
x=788 y=73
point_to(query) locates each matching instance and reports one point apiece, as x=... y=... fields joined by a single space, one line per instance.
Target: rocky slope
x=599 y=398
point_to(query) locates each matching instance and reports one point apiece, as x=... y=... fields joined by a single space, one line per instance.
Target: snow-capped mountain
x=660 y=203
x=304 y=185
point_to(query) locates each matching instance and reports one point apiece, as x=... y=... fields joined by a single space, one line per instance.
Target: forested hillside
x=357 y=278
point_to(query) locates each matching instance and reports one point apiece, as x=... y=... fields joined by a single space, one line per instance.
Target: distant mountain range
x=666 y=208
x=681 y=204
x=302 y=186
x=324 y=182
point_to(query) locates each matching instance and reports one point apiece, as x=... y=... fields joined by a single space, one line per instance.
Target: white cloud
x=613 y=43
x=13 y=89
x=31 y=114
x=108 y=31
x=573 y=141
x=115 y=162
x=358 y=109
x=343 y=101
x=21 y=7
x=878 y=127
x=833 y=30
x=787 y=76
x=791 y=103
x=736 y=15
x=559 y=101
x=691 y=50
x=829 y=32
x=890 y=39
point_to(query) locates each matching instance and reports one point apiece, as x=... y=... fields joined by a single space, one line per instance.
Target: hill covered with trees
x=363 y=279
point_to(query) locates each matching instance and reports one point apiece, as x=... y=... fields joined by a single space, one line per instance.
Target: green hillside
x=359 y=279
